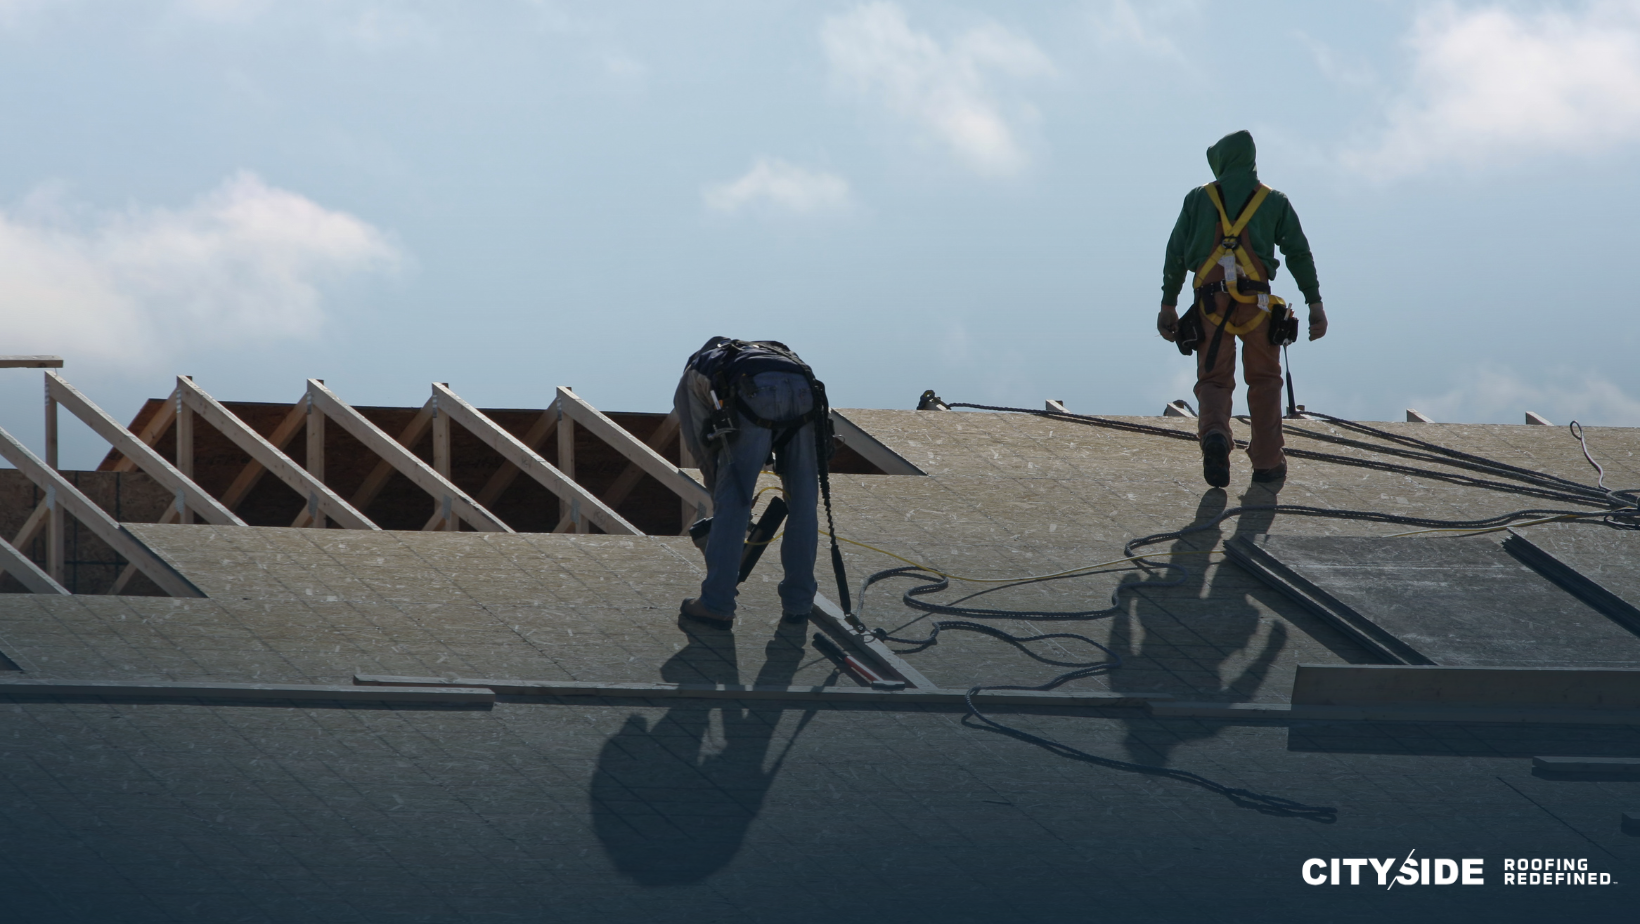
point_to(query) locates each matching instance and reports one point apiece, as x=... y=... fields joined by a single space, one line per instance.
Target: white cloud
x=944 y=88
x=775 y=184
x=1498 y=394
x=1352 y=73
x=1491 y=84
x=244 y=264
x=1119 y=25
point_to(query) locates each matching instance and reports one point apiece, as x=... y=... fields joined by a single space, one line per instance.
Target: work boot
x=1267 y=475
x=692 y=608
x=796 y=617
x=1216 y=459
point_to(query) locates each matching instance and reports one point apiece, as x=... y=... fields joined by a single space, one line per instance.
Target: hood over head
x=1234 y=153
x=1234 y=162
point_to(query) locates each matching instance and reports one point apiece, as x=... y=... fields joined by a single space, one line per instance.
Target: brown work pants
x=1260 y=365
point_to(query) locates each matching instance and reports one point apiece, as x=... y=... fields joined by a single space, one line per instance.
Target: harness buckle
x=1230 y=243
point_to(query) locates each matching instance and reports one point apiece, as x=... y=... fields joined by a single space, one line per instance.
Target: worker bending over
x=739 y=404
x=1227 y=233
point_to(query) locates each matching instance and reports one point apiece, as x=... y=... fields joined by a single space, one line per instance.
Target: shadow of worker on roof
x=1178 y=637
x=671 y=801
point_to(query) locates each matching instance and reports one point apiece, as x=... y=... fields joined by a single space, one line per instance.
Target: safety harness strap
x=1230 y=236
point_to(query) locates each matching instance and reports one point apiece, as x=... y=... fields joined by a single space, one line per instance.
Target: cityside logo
x=1423 y=871
x=1554 y=871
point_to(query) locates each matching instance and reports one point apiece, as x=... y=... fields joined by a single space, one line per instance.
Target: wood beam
x=870 y=448
x=51 y=428
x=315 y=459
x=152 y=431
x=130 y=571
x=31 y=362
x=251 y=475
x=653 y=463
x=25 y=570
x=571 y=496
x=445 y=518
x=31 y=527
x=56 y=534
x=185 y=455
x=189 y=496
x=544 y=427
x=64 y=496
x=408 y=438
x=570 y=520
x=632 y=474
x=277 y=463
x=419 y=472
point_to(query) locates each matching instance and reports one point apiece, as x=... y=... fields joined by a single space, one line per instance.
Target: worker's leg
x=1261 y=368
x=738 y=465
x=1216 y=386
x=783 y=396
x=797 y=547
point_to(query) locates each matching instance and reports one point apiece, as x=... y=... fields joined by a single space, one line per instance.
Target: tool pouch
x=1189 y=335
x=1283 y=326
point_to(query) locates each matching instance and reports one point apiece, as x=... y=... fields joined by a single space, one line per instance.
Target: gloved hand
x=1318 y=321
x=1167 y=323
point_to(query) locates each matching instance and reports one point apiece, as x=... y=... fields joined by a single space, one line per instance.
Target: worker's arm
x=1178 y=245
x=1289 y=236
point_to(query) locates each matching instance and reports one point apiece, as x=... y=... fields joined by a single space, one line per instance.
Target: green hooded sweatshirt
x=1196 y=233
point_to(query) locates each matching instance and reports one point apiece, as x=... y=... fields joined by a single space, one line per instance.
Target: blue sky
x=972 y=197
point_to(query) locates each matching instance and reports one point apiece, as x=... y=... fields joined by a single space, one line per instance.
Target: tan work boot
x=692 y=608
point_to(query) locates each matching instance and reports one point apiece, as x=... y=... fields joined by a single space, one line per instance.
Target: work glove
x=1318 y=321
x=1167 y=323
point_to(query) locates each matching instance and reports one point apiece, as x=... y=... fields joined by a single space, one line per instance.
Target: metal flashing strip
x=1573 y=581
x=1467 y=687
x=271 y=693
x=1267 y=568
x=1601 y=766
x=1282 y=712
x=1423 y=693
x=834 y=695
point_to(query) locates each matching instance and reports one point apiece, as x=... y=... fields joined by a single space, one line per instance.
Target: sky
x=966 y=196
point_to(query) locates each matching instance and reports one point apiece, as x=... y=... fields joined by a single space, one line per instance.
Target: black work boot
x=1216 y=459
x=1269 y=475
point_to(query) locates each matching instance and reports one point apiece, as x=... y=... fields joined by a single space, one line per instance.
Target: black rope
x=1244 y=798
x=1622 y=510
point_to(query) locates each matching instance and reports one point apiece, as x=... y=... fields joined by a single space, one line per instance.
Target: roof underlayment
x=629 y=807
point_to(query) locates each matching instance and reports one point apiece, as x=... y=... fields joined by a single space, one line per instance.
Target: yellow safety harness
x=1230 y=245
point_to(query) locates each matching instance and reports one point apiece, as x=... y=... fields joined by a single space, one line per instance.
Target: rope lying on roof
x=1621 y=510
x=1625 y=504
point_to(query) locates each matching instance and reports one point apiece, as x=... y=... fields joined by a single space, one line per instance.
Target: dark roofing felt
x=627 y=810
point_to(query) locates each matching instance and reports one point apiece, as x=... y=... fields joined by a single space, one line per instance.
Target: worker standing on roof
x=739 y=403
x=1227 y=233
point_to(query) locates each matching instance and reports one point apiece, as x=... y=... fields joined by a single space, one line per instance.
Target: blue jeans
x=772 y=396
